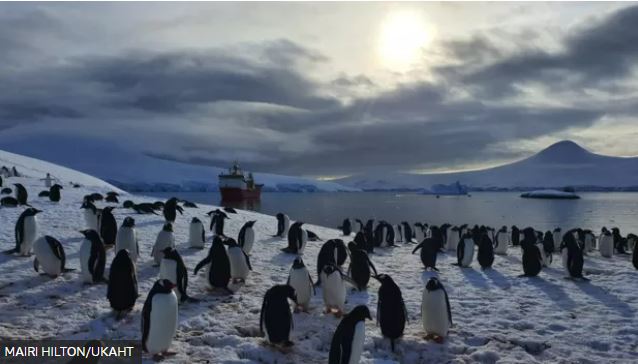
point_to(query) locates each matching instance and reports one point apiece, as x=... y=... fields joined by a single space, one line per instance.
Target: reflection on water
x=593 y=210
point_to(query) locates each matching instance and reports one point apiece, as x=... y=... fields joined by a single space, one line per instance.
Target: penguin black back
x=342 y=340
x=329 y=251
x=54 y=193
x=97 y=259
x=275 y=318
x=429 y=252
x=485 y=255
x=122 y=290
x=108 y=226
x=391 y=312
x=219 y=272
x=181 y=272
x=360 y=267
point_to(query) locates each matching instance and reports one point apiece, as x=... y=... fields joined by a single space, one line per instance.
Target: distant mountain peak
x=563 y=151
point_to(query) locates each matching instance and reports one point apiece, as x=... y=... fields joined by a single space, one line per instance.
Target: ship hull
x=238 y=194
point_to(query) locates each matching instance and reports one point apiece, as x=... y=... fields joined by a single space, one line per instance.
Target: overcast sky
x=322 y=89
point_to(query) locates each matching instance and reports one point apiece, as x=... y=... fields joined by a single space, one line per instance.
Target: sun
x=402 y=38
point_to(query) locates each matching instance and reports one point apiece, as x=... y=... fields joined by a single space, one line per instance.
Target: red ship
x=235 y=187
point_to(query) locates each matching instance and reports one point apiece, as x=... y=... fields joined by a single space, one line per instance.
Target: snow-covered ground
x=498 y=317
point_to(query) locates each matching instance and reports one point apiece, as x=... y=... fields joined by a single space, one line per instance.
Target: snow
x=497 y=316
x=550 y=194
x=562 y=164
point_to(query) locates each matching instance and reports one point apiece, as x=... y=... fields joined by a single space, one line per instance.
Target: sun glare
x=402 y=38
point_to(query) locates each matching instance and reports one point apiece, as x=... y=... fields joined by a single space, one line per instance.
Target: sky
x=319 y=89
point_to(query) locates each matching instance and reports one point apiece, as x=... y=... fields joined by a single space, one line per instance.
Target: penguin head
x=57 y=187
x=195 y=220
x=433 y=284
x=128 y=204
x=298 y=263
x=283 y=290
x=352 y=246
x=279 y=216
x=230 y=242
x=108 y=208
x=360 y=313
x=383 y=279
x=251 y=223
x=128 y=222
x=32 y=211
x=168 y=227
x=112 y=193
x=91 y=235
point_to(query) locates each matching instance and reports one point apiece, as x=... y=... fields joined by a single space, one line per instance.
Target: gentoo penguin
x=230 y=210
x=127 y=238
x=25 y=231
x=347 y=342
x=436 y=313
x=398 y=232
x=419 y=234
x=246 y=236
x=21 y=194
x=453 y=238
x=239 y=261
x=173 y=268
x=165 y=239
x=158 y=205
x=428 y=253
x=532 y=259
x=297 y=238
x=217 y=218
x=333 y=251
x=6 y=191
x=334 y=289
x=516 y=236
x=357 y=226
x=122 y=288
x=346 y=227
x=391 y=311
x=360 y=266
x=590 y=241
x=196 y=234
x=108 y=226
x=170 y=210
x=299 y=278
x=547 y=247
x=606 y=243
x=465 y=251
x=144 y=208
x=92 y=257
x=111 y=197
x=361 y=240
x=54 y=193
x=90 y=215
x=8 y=202
x=49 y=254
x=620 y=243
x=501 y=241
x=43 y=194
x=283 y=223
x=383 y=235
x=218 y=265
x=407 y=232
x=159 y=319
x=436 y=234
x=558 y=239
x=485 y=255
x=572 y=255
x=189 y=204
x=275 y=319
x=96 y=197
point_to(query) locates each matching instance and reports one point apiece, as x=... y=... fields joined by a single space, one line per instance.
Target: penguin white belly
x=249 y=240
x=300 y=281
x=418 y=234
x=355 y=228
x=163 y=323
x=564 y=255
x=286 y=226
x=195 y=233
x=606 y=246
x=434 y=313
x=238 y=264
x=127 y=239
x=49 y=263
x=557 y=241
x=90 y=219
x=304 y=240
x=168 y=270
x=544 y=258
x=589 y=243
x=503 y=243
x=30 y=233
x=357 y=342
x=384 y=238
x=164 y=240
x=85 y=255
x=334 y=290
x=468 y=253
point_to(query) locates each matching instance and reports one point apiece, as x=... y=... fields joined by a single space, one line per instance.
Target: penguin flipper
x=420 y=246
x=11 y=251
x=36 y=265
x=201 y=264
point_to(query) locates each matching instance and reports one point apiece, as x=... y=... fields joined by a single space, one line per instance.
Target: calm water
x=593 y=210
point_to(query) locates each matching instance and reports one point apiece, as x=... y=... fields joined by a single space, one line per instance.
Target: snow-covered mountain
x=562 y=164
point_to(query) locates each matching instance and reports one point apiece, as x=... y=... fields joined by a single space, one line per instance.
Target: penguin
x=25 y=232
x=620 y=243
x=398 y=232
x=230 y=210
x=92 y=257
x=112 y=193
x=43 y=194
x=407 y=232
x=111 y=199
x=144 y=208
x=391 y=312
x=49 y=254
x=361 y=240
x=189 y=204
x=419 y=234
x=172 y=267
x=239 y=261
x=246 y=236
x=122 y=290
x=465 y=251
x=300 y=280
x=590 y=241
x=547 y=248
x=501 y=241
x=632 y=241
x=283 y=223
x=165 y=239
x=196 y=234
x=485 y=255
x=453 y=238
x=380 y=235
x=347 y=342
x=516 y=236
x=346 y=227
x=218 y=264
x=357 y=226
x=333 y=251
x=606 y=243
x=217 y=221
x=573 y=259
x=297 y=238
x=558 y=238
x=128 y=204
x=389 y=235
x=127 y=238
x=436 y=313
x=275 y=319
x=428 y=253
x=90 y=215
x=54 y=193
x=96 y=197
x=6 y=191
x=334 y=289
x=159 y=319
x=158 y=205
x=170 y=210
x=360 y=265
x=532 y=259
x=108 y=226
x=21 y=194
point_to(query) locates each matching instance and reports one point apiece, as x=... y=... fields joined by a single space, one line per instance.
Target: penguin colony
x=226 y=266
